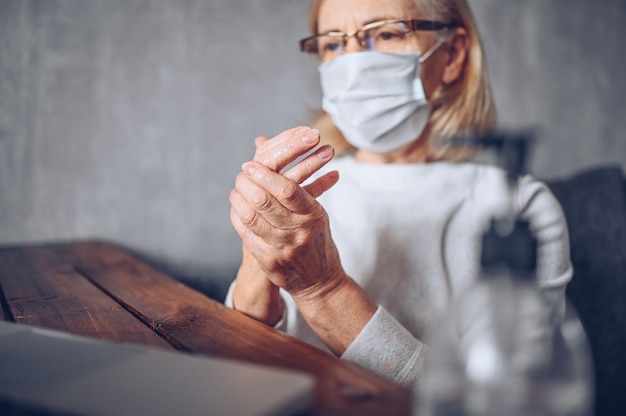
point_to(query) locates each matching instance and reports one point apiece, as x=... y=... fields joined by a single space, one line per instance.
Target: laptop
x=51 y=372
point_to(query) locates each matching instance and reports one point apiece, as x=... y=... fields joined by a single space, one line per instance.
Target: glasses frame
x=413 y=25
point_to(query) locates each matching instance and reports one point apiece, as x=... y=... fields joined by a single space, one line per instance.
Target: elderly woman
x=367 y=267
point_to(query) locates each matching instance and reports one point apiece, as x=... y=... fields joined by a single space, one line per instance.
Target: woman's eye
x=385 y=36
x=331 y=47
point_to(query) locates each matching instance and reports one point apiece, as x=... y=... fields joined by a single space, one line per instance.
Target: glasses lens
x=389 y=37
x=329 y=47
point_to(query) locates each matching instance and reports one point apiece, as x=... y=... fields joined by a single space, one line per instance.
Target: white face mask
x=376 y=99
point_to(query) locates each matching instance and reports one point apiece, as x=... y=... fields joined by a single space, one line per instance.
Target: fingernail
x=248 y=167
x=311 y=136
x=326 y=152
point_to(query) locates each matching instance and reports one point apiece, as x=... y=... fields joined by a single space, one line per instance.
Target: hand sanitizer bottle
x=505 y=349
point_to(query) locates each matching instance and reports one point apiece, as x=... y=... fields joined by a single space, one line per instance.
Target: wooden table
x=95 y=289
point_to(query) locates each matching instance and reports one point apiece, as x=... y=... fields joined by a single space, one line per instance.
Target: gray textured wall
x=128 y=119
x=558 y=65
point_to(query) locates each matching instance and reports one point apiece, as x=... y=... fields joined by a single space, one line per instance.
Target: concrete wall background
x=128 y=119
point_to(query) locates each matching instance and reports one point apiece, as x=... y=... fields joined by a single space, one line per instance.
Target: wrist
x=254 y=295
x=337 y=313
x=321 y=291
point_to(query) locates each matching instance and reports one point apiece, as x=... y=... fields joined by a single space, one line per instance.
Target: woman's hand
x=291 y=144
x=285 y=229
x=279 y=221
x=254 y=294
x=287 y=232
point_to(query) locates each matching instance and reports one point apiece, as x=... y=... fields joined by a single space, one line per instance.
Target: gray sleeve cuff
x=386 y=348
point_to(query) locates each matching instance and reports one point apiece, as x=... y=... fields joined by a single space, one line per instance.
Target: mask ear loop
x=432 y=50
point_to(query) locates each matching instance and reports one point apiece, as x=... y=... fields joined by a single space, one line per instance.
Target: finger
x=260 y=140
x=311 y=164
x=251 y=226
x=238 y=225
x=322 y=184
x=258 y=198
x=251 y=242
x=259 y=210
x=283 y=149
x=265 y=147
x=255 y=248
x=247 y=214
x=284 y=191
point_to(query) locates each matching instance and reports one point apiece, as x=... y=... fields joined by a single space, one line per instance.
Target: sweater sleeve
x=386 y=348
x=547 y=220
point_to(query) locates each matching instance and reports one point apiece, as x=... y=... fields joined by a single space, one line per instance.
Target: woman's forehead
x=349 y=15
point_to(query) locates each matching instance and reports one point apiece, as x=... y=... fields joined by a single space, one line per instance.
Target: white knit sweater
x=410 y=235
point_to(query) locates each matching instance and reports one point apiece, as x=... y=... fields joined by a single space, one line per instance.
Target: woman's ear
x=458 y=49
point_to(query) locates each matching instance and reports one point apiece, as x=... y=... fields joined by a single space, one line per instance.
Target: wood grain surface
x=44 y=289
x=95 y=289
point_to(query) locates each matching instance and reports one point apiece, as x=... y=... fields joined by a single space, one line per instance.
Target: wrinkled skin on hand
x=281 y=224
x=287 y=241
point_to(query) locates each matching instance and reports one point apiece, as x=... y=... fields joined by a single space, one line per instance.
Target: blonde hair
x=465 y=105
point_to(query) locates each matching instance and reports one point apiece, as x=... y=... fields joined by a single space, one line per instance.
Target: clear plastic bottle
x=505 y=348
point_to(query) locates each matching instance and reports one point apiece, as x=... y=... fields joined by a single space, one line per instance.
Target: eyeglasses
x=382 y=36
